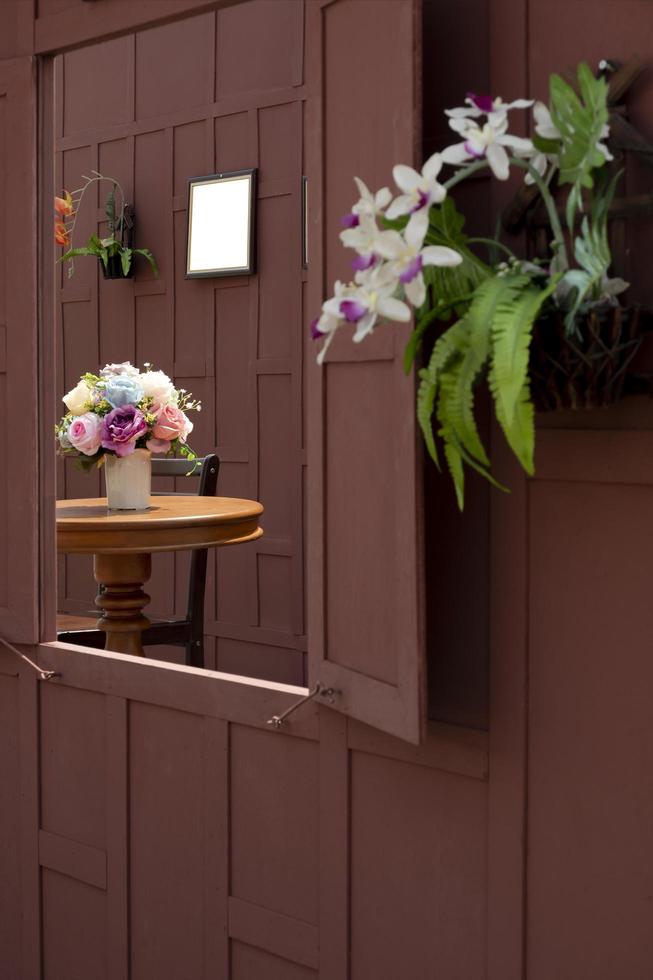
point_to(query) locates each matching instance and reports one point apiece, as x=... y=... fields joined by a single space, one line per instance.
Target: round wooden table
x=122 y=544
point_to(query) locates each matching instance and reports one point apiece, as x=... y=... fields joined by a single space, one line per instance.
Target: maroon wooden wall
x=571 y=677
x=184 y=102
x=153 y=807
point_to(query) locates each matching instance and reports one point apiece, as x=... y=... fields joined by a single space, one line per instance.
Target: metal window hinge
x=328 y=693
x=44 y=675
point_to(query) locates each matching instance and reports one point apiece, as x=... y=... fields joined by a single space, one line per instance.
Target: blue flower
x=122 y=390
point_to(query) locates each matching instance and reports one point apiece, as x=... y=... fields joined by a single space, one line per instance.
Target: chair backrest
x=206 y=469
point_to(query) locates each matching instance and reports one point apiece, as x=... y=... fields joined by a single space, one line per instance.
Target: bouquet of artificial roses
x=122 y=409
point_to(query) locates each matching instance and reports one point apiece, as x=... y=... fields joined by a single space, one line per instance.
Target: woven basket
x=587 y=370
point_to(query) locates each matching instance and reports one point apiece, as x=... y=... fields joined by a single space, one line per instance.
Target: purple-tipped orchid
x=363 y=237
x=406 y=260
x=371 y=204
x=326 y=325
x=488 y=142
x=485 y=105
x=367 y=300
x=420 y=191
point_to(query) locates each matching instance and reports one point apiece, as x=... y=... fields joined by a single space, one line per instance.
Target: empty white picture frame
x=221 y=223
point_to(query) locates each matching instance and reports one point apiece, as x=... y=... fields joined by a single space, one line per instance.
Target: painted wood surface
x=364 y=563
x=154 y=807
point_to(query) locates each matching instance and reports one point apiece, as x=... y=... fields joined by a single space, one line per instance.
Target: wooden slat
x=446 y=747
x=225 y=107
x=69 y=857
x=117 y=797
x=601 y=456
x=216 y=847
x=88 y=22
x=278 y=934
x=31 y=918
x=240 y=699
x=334 y=806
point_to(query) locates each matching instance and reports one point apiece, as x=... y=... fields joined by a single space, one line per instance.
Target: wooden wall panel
x=418 y=866
x=236 y=343
x=65 y=952
x=4 y=441
x=175 y=66
x=73 y=752
x=274 y=47
x=10 y=912
x=19 y=375
x=274 y=794
x=590 y=864
x=167 y=843
x=248 y=962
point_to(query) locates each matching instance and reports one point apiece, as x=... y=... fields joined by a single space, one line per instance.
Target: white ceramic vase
x=128 y=480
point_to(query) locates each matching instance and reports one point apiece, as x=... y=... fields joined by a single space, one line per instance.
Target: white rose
x=158 y=386
x=78 y=400
x=126 y=369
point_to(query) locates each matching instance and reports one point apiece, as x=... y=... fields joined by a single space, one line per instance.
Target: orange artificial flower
x=61 y=236
x=64 y=205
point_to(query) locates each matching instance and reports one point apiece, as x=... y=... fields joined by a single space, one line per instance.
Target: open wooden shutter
x=19 y=381
x=364 y=568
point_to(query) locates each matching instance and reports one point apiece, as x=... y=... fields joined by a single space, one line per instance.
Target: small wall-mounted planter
x=113 y=269
x=588 y=370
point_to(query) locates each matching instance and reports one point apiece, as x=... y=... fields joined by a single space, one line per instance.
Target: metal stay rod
x=44 y=675
x=327 y=692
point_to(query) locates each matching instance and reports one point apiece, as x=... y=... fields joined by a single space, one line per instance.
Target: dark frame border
x=250 y=268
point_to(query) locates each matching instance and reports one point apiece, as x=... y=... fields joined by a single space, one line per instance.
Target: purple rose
x=121 y=429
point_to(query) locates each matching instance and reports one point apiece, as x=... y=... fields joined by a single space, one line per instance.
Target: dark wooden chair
x=188 y=632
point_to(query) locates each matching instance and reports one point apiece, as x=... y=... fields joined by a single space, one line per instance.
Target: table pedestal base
x=122 y=600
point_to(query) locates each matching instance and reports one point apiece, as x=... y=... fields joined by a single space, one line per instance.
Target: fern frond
x=445 y=348
x=425 y=401
x=512 y=327
x=520 y=432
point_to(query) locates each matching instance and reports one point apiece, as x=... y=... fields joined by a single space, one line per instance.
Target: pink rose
x=157 y=445
x=84 y=433
x=171 y=423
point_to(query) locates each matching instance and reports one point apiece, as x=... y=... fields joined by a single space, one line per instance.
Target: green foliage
x=581 y=120
x=110 y=211
x=450 y=290
x=494 y=335
x=105 y=248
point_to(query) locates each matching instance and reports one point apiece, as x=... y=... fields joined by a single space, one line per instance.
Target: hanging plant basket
x=113 y=269
x=589 y=369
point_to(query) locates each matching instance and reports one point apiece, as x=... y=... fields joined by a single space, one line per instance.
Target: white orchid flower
x=368 y=300
x=490 y=142
x=485 y=105
x=368 y=204
x=371 y=204
x=363 y=237
x=545 y=128
x=420 y=191
x=407 y=259
x=327 y=323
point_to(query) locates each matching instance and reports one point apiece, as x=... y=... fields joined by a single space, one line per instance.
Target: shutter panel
x=19 y=380
x=364 y=506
